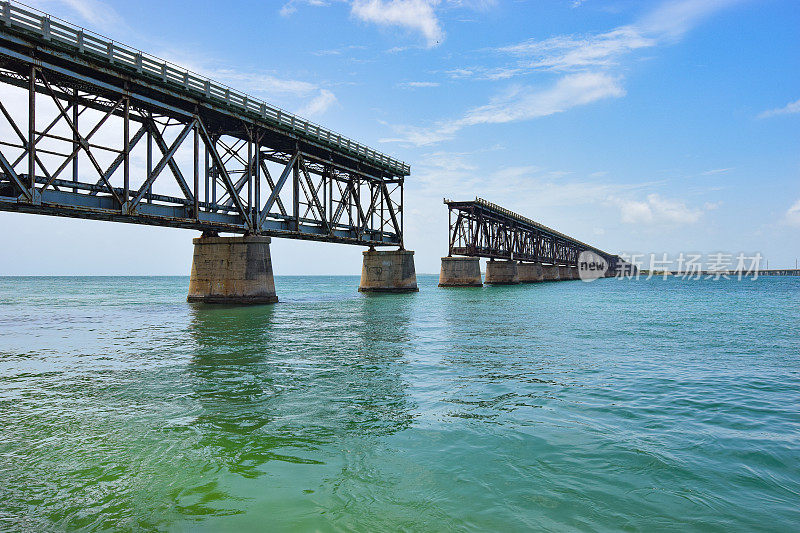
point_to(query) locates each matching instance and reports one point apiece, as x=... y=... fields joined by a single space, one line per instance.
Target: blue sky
x=667 y=126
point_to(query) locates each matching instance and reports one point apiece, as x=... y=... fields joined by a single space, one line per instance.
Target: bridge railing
x=84 y=42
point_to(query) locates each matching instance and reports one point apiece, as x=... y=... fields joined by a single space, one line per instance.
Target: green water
x=649 y=405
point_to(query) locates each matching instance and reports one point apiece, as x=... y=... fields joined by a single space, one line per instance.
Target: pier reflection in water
x=278 y=390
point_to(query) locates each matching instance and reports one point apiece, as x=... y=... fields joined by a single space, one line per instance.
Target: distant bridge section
x=482 y=229
x=100 y=130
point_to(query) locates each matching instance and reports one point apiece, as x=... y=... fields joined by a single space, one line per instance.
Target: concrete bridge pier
x=232 y=270
x=530 y=272
x=550 y=273
x=502 y=272
x=460 y=272
x=564 y=272
x=388 y=271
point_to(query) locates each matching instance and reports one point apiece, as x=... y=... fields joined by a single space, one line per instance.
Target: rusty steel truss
x=482 y=229
x=90 y=128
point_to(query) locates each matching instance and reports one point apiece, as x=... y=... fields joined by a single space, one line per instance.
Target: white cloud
x=291 y=6
x=788 y=109
x=262 y=82
x=415 y=15
x=520 y=103
x=324 y=100
x=93 y=12
x=475 y=5
x=655 y=210
x=570 y=52
x=418 y=16
x=525 y=103
x=717 y=171
x=418 y=84
x=673 y=19
x=460 y=73
x=793 y=215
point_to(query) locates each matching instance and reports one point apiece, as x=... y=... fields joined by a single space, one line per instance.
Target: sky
x=639 y=127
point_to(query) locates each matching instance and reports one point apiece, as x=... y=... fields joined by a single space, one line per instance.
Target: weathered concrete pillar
x=530 y=272
x=502 y=272
x=573 y=273
x=550 y=272
x=563 y=272
x=388 y=271
x=232 y=270
x=460 y=272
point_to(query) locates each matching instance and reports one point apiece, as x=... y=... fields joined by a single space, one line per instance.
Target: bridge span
x=518 y=248
x=108 y=132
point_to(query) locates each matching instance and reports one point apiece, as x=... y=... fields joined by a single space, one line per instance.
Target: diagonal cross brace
x=165 y=159
x=25 y=140
x=373 y=196
x=12 y=175
x=240 y=183
x=271 y=183
x=391 y=208
x=173 y=166
x=277 y=189
x=344 y=198
x=224 y=173
x=120 y=158
x=313 y=192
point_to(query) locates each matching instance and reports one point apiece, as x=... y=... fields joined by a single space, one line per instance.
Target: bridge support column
x=502 y=272
x=550 y=272
x=564 y=272
x=388 y=271
x=232 y=270
x=530 y=272
x=460 y=272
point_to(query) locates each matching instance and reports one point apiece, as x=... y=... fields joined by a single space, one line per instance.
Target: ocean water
x=613 y=405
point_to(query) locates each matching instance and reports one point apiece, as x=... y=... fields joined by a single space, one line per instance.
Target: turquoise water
x=636 y=405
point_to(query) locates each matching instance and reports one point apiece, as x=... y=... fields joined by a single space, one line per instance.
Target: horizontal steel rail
x=484 y=229
x=49 y=31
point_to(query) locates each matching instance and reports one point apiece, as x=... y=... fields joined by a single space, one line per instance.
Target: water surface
x=660 y=404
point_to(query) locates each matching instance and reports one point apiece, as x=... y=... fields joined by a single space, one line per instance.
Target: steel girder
x=91 y=143
x=481 y=229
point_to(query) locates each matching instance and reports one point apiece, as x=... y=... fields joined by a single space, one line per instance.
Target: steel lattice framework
x=99 y=130
x=483 y=229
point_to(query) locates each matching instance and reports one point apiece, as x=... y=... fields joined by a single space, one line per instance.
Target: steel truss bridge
x=483 y=229
x=94 y=129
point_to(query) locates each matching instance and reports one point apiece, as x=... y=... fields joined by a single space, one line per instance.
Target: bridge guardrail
x=86 y=42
